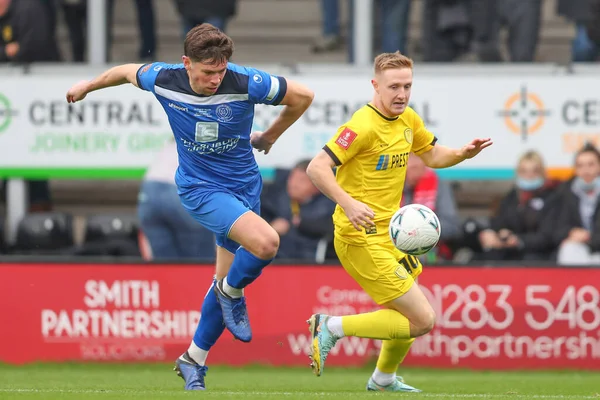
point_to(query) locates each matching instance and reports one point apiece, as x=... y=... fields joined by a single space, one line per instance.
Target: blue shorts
x=218 y=208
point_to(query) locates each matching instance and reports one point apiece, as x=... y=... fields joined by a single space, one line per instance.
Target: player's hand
x=260 y=143
x=359 y=214
x=472 y=149
x=77 y=92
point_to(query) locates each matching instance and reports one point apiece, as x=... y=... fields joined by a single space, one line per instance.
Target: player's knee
x=267 y=246
x=425 y=324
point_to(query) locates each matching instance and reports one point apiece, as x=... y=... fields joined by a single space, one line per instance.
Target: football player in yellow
x=370 y=152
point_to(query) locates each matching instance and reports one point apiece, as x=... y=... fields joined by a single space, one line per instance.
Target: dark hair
x=302 y=165
x=206 y=43
x=588 y=148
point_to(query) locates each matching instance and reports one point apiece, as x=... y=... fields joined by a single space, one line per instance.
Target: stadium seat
x=2 y=236
x=111 y=226
x=111 y=235
x=45 y=233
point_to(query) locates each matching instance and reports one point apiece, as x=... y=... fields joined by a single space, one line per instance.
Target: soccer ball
x=415 y=229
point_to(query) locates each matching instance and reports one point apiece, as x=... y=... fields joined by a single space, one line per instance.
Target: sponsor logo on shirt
x=180 y=108
x=218 y=147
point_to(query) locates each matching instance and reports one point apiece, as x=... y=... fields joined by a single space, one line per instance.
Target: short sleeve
x=423 y=140
x=346 y=143
x=147 y=74
x=264 y=88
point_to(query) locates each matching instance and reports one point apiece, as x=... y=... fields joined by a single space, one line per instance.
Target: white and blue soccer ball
x=415 y=229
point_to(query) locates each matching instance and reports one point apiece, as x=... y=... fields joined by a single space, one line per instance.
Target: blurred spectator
x=331 y=38
x=299 y=212
x=27 y=32
x=522 y=19
x=446 y=29
x=580 y=12
x=592 y=30
x=169 y=230
x=28 y=36
x=394 y=17
x=146 y=26
x=75 y=12
x=576 y=228
x=196 y=12
x=423 y=186
x=516 y=231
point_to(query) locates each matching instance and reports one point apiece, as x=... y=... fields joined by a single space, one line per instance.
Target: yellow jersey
x=371 y=152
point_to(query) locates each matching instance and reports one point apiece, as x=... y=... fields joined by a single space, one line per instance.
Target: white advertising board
x=116 y=132
x=554 y=115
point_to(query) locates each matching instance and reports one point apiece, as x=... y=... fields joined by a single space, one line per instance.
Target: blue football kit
x=218 y=179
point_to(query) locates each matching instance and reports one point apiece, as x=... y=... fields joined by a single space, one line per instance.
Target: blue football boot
x=235 y=314
x=192 y=373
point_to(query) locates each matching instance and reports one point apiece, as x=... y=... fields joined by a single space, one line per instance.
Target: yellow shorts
x=384 y=272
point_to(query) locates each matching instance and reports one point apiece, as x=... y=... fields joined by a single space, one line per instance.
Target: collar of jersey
x=372 y=107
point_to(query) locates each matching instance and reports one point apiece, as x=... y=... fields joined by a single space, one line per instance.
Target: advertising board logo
x=6 y=113
x=524 y=113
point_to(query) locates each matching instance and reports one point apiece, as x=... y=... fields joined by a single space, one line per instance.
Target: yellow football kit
x=371 y=152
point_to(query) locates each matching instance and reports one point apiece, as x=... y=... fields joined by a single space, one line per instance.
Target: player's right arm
x=119 y=75
x=338 y=150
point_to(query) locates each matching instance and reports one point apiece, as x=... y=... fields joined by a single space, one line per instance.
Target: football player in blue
x=210 y=106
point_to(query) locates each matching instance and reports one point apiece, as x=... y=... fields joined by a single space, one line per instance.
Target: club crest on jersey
x=224 y=113
x=401 y=273
x=408 y=135
x=346 y=138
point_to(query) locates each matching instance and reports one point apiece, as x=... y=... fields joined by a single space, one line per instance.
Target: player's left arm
x=437 y=156
x=443 y=157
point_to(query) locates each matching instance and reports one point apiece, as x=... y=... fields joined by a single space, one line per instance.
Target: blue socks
x=245 y=269
x=211 y=326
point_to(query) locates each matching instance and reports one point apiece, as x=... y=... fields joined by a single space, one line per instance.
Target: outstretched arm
x=444 y=157
x=114 y=76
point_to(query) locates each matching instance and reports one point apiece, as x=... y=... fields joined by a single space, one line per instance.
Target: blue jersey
x=212 y=132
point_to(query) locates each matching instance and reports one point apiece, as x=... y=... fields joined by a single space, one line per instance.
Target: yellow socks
x=381 y=324
x=392 y=354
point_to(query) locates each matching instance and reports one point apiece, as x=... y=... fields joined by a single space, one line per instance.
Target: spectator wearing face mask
x=576 y=227
x=515 y=231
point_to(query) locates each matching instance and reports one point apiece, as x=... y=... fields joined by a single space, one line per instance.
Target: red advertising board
x=492 y=318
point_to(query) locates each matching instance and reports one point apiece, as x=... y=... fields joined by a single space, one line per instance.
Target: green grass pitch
x=158 y=381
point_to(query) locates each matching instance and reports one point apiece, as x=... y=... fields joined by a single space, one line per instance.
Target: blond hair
x=392 y=60
x=535 y=157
